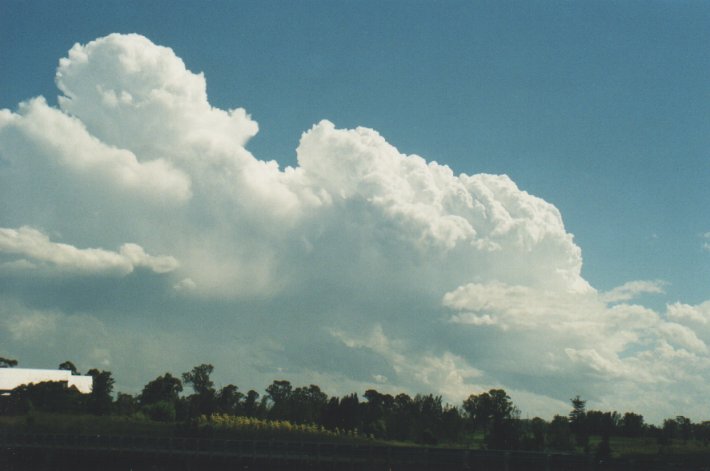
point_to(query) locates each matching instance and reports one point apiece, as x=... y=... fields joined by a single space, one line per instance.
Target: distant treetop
x=7 y=362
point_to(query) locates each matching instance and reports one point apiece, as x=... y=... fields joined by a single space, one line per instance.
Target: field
x=638 y=453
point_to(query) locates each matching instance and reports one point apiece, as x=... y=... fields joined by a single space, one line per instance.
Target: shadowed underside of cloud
x=360 y=267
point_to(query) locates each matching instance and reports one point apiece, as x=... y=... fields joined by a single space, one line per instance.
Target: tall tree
x=204 y=400
x=100 y=399
x=251 y=404
x=429 y=418
x=452 y=424
x=229 y=400
x=702 y=432
x=600 y=423
x=160 y=398
x=578 y=421
x=344 y=413
x=378 y=413
x=307 y=404
x=199 y=379
x=537 y=429
x=163 y=388
x=632 y=425
x=279 y=394
x=685 y=428
x=558 y=433
x=477 y=408
x=125 y=404
x=496 y=415
x=670 y=429
x=402 y=420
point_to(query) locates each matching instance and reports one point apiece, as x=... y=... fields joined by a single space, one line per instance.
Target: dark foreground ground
x=53 y=460
x=59 y=452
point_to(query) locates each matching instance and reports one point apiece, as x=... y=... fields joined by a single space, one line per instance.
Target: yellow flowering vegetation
x=250 y=427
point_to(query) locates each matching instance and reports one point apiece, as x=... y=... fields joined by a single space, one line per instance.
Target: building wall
x=10 y=378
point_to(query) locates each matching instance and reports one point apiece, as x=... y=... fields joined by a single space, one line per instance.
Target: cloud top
x=123 y=86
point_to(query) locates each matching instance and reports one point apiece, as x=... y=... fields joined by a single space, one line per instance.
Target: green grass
x=645 y=447
x=230 y=427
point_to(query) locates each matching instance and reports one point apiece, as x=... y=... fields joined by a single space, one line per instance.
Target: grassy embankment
x=675 y=454
x=218 y=426
x=236 y=428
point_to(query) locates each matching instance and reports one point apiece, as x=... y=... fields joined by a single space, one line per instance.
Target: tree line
x=490 y=418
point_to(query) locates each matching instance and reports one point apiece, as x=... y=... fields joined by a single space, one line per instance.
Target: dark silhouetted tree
x=631 y=425
x=669 y=431
x=125 y=404
x=229 y=400
x=344 y=413
x=378 y=412
x=701 y=432
x=684 y=427
x=160 y=398
x=538 y=428
x=69 y=366
x=7 y=363
x=578 y=421
x=163 y=388
x=428 y=418
x=496 y=415
x=48 y=396
x=307 y=404
x=476 y=407
x=600 y=423
x=279 y=394
x=559 y=434
x=401 y=423
x=100 y=399
x=452 y=424
x=251 y=404
x=204 y=401
x=199 y=379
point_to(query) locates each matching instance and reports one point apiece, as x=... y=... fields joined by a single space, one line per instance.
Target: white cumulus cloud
x=40 y=252
x=360 y=266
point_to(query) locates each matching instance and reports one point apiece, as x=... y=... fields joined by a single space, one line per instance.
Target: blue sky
x=599 y=108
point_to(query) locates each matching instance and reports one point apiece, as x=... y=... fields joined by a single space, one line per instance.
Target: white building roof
x=10 y=378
